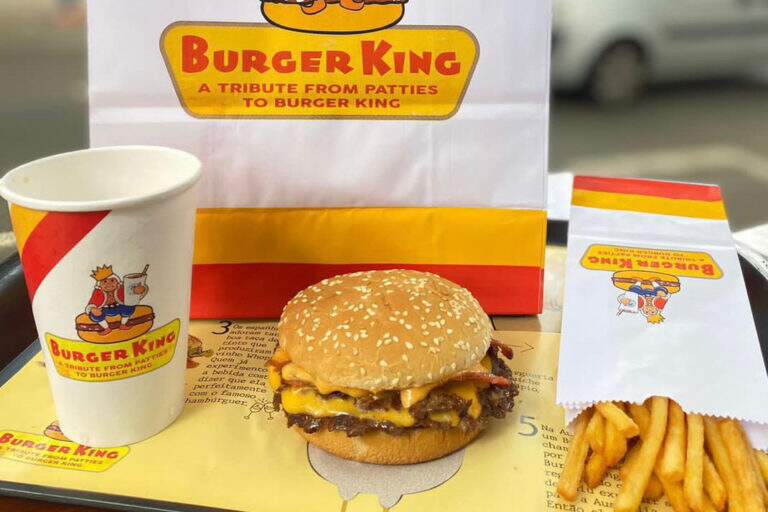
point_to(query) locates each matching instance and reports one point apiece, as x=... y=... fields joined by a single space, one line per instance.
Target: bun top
x=377 y=330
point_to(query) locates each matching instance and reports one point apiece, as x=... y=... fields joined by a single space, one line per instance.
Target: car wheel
x=619 y=76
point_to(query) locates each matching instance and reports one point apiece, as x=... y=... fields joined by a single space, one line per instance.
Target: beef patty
x=496 y=402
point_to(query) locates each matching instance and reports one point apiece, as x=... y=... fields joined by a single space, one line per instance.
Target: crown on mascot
x=102 y=272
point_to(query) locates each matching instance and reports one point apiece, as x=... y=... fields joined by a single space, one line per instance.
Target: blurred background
x=673 y=89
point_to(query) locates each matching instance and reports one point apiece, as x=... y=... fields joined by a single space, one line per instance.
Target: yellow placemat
x=231 y=450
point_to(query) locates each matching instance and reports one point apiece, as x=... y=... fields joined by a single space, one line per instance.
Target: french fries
x=655 y=490
x=595 y=469
x=675 y=495
x=739 y=453
x=720 y=470
x=570 y=478
x=641 y=416
x=714 y=485
x=596 y=432
x=615 y=444
x=671 y=463
x=762 y=461
x=631 y=494
x=722 y=462
x=619 y=419
x=758 y=474
x=693 y=485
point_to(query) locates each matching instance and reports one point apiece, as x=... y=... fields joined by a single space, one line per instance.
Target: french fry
x=762 y=461
x=714 y=485
x=655 y=490
x=631 y=494
x=707 y=506
x=671 y=464
x=758 y=472
x=674 y=493
x=595 y=470
x=641 y=416
x=615 y=415
x=630 y=460
x=596 y=432
x=570 y=478
x=720 y=457
x=693 y=485
x=615 y=444
x=739 y=453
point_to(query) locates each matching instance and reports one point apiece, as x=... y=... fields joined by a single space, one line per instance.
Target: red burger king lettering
x=43 y=451
x=92 y=362
x=259 y=71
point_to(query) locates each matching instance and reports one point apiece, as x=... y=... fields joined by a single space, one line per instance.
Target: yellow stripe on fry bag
x=371 y=235
x=713 y=210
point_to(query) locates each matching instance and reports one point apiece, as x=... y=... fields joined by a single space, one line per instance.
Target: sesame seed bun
x=380 y=330
x=413 y=447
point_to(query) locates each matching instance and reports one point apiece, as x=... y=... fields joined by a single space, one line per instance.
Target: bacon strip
x=493 y=380
x=506 y=350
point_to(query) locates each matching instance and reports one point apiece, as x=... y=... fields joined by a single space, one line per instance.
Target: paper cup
x=113 y=335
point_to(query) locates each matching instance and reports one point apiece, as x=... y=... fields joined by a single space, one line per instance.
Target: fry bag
x=339 y=136
x=655 y=304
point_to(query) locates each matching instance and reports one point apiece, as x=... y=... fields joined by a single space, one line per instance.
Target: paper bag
x=340 y=136
x=689 y=335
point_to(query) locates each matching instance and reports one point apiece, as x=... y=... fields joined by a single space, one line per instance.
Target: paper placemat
x=231 y=450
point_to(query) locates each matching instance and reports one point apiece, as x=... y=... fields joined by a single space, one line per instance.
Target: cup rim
x=107 y=204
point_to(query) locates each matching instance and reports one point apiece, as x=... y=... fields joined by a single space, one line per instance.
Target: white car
x=613 y=48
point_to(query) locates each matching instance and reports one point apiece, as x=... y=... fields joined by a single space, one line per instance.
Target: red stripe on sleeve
x=666 y=189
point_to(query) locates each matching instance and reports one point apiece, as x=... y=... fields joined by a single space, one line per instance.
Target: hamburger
x=389 y=367
x=139 y=324
x=333 y=16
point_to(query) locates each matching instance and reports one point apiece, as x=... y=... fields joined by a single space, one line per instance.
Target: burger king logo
x=320 y=59
x=333 y=16
x=116 y=339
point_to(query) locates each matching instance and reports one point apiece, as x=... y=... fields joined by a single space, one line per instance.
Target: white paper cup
x=87 y=224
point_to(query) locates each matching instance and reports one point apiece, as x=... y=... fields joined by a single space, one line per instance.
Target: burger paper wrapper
x=418 y=127
x=655 y=304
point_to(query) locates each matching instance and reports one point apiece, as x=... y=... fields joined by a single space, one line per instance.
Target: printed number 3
x=225 y=325
x=532 y=428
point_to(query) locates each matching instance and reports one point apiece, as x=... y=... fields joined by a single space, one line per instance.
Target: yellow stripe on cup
x=713 y=210
x=24 y=222
x=371 y=235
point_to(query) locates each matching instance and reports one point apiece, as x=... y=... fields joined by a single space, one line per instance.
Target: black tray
x=19 y=328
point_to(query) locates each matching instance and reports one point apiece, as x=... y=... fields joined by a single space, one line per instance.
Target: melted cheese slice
x=307 y=401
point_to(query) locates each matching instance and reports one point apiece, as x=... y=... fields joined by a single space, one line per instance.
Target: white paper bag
x=690 y=336
x=416 y=128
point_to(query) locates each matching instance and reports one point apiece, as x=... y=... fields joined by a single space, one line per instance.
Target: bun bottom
x=419 y=445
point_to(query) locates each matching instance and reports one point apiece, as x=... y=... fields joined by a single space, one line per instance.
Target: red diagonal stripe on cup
x=51 y=240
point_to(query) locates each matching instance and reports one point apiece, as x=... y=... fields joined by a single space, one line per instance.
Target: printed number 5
x=528 y=421
x=225 y=325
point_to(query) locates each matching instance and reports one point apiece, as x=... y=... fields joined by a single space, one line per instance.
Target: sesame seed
x=383 y=363
x=409 y=345
x=405 y=358
x=423 y=343
x=310 y=349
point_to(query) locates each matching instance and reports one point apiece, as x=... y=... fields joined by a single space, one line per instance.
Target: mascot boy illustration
x=108 y=301
x=645 y=292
